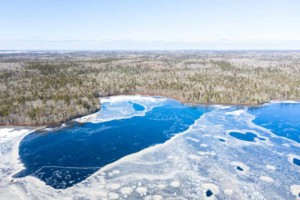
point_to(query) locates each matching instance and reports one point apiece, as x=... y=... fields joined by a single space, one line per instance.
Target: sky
x=149 y=24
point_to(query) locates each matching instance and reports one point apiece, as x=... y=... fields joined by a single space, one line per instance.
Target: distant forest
x=50 y=88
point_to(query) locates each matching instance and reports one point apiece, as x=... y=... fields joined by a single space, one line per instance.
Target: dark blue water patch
x=209 y=193
x=137 y=107
x=222 y=140
x=248 y=136
x=64 y=157
x=239 y=168
x=282 y=119
x=296 y=161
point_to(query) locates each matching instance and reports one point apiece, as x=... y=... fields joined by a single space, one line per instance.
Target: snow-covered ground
x=9 y=162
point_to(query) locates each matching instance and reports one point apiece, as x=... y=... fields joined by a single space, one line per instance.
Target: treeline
x=49 y=91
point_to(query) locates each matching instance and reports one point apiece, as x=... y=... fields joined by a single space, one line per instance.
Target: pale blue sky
x=149 y=24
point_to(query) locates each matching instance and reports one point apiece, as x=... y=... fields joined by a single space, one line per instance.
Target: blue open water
x=282 y=119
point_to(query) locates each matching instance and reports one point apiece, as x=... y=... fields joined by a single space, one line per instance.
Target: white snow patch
x=204 y=145
x=126 y=190
x=113 y=186
x=175 y=184
x=271 y=167
x=161 y=186
x=194 y=157
x=192 y=139
x=228 y=192
x=235 y=113
x=266 y=179
x=206 y=153
x=286 y=145
x=113 y=195
x=142 y=190
x=157 y=197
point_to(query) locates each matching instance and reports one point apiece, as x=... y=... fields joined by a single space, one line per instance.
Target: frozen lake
x=66 y=156
x=141 y=147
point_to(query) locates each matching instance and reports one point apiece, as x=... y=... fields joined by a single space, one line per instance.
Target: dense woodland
x=53 y=87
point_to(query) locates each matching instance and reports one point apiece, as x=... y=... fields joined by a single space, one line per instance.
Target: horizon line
x=95 y=50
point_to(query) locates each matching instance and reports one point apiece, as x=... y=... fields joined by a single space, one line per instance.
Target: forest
x=54 y=87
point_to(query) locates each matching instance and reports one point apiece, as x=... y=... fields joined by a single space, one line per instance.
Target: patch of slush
x=153 y=172
x=122 y=107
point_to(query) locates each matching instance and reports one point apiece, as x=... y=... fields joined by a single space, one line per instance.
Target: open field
x=40 y=88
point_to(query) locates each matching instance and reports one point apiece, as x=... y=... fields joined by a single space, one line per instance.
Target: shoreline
x=208 y=104
x=70 y=119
